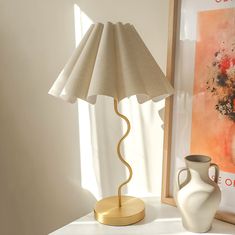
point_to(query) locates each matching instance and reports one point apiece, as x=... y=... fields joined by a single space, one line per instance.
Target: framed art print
x=200 y=117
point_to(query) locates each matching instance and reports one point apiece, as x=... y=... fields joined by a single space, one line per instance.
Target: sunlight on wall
x=143 y=147
x=88 y=178
x=82 y=23
x=100 y=173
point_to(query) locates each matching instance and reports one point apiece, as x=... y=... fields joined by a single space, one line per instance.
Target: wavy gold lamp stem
x=120 y=209
x=119 y=152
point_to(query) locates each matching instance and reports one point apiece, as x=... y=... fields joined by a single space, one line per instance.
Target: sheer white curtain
x=100 y=129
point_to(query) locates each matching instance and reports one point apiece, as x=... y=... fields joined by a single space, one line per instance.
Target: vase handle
x=216 y=172
x=179 y=185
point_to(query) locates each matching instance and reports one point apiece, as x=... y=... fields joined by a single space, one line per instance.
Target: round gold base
x=108 y=212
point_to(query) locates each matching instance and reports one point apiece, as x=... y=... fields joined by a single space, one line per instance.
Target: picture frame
x=176 y=60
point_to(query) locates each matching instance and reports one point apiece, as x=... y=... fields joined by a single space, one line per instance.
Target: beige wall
x=39 y=166
x=39 y=152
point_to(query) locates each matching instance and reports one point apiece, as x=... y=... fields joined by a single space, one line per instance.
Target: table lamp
x=112 y=60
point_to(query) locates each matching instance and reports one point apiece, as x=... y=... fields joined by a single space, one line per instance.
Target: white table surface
x=159 y=219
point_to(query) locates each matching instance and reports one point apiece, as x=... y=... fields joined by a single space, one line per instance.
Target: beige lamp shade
x=111 y=60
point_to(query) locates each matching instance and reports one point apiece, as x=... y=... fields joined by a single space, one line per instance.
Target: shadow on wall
x=39 y=151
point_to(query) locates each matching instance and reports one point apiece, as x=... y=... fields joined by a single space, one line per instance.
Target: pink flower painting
x=213 y=111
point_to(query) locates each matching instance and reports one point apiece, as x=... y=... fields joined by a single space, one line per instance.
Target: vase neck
x=199 y=169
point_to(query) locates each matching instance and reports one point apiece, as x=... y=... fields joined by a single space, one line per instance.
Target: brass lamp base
x=107 y=211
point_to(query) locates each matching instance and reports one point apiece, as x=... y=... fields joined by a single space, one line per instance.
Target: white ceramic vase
x=198 y=197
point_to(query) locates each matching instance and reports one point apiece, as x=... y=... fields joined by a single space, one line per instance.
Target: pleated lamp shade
x=111 y=60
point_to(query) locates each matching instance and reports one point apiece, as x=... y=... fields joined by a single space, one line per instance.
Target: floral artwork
x=221 y=82
x=213 y=109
